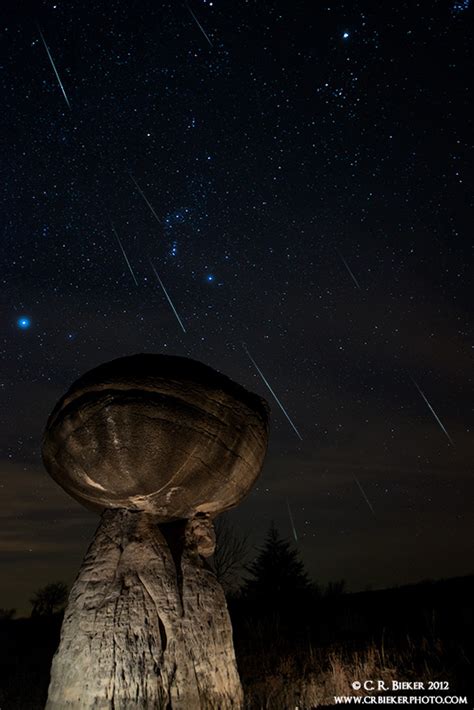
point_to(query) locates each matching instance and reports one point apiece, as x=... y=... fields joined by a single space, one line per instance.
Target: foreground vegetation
x=311 y=678
x=297 y=646
x=275 y=677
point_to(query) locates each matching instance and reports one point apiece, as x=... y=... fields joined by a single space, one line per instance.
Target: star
x=23 y=322
x=210 y=277
x=345 y=35
x=461 y=6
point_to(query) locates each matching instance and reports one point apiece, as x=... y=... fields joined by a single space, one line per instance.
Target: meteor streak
x=273 y=393
x=54 y=67
x=146 y=199
x=365 y=496
x=167 y=296
x=123 y=252
x=291 y=520
x=348 y=268
x=199 y=24
x=432 y=410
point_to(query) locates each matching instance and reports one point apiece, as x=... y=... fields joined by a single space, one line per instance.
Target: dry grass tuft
x=312 y=680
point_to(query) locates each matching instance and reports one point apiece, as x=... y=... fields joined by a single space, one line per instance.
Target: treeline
x=296 y=642
x=276 y=598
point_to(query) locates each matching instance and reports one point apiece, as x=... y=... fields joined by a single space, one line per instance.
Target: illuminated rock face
x=165 y=435
x=159 y=445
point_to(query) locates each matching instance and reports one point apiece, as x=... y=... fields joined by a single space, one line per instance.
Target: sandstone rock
x=138 y=635
x=159 y=445
x=162 y=434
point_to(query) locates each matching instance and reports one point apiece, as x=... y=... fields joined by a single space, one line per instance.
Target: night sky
x=299 y=177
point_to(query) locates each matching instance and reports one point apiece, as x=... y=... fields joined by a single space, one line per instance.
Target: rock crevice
x=159 y=446
x=131 y=638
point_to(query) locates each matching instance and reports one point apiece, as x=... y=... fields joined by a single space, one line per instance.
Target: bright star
x=210 y=277
x=459 y=7
x=23 y=322
x=345 y=35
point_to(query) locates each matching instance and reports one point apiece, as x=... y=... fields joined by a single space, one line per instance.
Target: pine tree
x=278 y=577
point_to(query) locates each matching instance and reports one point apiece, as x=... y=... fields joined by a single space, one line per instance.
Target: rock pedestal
x=146 y=624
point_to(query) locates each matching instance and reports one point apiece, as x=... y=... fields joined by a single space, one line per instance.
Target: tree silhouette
x=277 y=575
x=7 y=614
x=335 y=590
x=49 y=599
x=230 y=554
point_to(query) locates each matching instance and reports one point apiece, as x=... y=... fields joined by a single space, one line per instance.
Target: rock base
x=146 y=625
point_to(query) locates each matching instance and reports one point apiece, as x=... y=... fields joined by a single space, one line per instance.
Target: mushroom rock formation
x=159 y=446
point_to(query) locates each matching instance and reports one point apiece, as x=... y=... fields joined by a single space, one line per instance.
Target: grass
x=312 y=679
x=277 y=672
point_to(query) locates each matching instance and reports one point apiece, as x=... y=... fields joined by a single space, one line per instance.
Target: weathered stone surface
x=162 y=434
x=159 y=445
x=146 y=625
